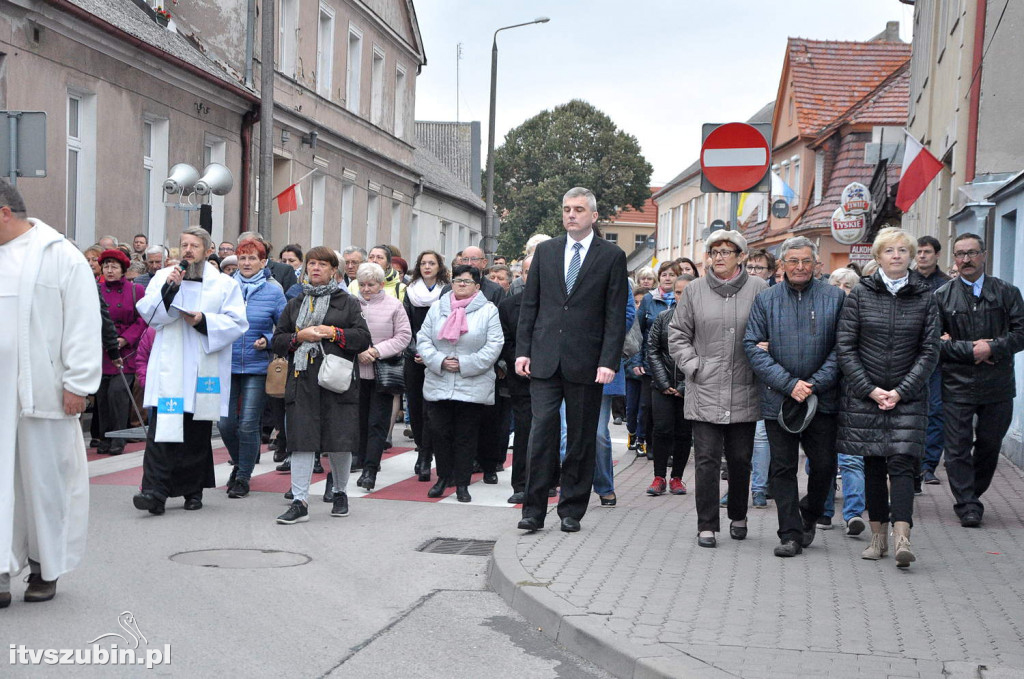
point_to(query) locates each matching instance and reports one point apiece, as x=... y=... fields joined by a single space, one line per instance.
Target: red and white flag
x=289 y=200
x=919 y=168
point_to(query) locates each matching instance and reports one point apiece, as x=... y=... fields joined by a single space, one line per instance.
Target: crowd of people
x=746 y=360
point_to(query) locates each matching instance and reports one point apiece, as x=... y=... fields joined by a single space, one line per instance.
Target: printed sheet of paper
x=187 y=298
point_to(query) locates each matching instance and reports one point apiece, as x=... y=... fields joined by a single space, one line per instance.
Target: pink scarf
x=456 y=325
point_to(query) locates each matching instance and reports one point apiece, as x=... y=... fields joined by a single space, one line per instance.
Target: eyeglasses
x=798 y=262
x=722 y=253
x=756 y=269
x=463 y=281
x=969 y=254
x=474 y=259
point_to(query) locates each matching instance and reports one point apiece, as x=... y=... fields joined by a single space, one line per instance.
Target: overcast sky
x=658 y=68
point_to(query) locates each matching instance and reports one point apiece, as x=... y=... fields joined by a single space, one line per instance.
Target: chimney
x=892 y=31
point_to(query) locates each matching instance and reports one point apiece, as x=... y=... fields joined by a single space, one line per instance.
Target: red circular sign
x=735 y=157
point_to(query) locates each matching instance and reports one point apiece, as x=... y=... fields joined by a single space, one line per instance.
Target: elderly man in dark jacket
x=983 y=327
x=798 y=321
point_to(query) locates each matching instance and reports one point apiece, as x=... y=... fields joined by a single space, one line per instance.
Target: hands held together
x=886 y=400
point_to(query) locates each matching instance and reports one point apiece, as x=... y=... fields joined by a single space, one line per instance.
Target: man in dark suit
x=568 y=343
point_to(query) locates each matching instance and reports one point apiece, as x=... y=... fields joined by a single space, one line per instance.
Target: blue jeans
x=634 y=413
x=604 y=483
x=851 y=469
x=240 y=430
x=934 y=436
x=761 y=460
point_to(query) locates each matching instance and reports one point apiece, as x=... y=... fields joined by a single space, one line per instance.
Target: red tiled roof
x=830 y=76
x=884 y=105
x=649 y=216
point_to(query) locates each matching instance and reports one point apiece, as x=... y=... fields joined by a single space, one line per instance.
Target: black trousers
x=523 y=415
x=647 y=410
x=175 y=469
x=970 y=474
x=710 y=441
x=492 y=447
x=672 y=435
x=374 y=423
x=892 y=498
x=456 y=428
x=113 y=404
x=273 y=418
x=582 y=412
x=414 y=374
x=819 y=444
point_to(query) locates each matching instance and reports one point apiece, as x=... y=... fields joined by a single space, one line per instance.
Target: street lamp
x=490 y=241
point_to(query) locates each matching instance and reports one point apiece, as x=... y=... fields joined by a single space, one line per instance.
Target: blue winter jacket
x=650 y=308
x=262 y=309
x=617 y=387
x=800 y=328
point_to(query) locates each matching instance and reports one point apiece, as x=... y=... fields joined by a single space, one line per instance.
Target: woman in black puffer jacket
x=672 y=433
x=887 y=345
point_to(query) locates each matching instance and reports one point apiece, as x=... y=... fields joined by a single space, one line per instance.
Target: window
x=214 y=151
x=317 y=209
x=396 y=222
x=154 y=169
x=80 y=206
x=355 y=67
x=348 y=194
x=377 y=87
x=372 y=219
x=325 y=52
x=414 y=233
x=289 y=23
x=448 y=249
x=611 y=237
x=795 y=176
x=400 y=102
x=819 y=175
x=639 y=240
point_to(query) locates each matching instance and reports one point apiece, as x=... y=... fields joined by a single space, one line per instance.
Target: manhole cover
x=241 y=558
x=459 y=546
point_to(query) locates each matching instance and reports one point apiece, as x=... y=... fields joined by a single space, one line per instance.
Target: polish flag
x=919 y=168
x=289 y=200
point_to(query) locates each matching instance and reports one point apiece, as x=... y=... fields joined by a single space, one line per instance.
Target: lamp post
x=490 y=233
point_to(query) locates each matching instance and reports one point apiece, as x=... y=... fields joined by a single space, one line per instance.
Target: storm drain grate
x=458 y=546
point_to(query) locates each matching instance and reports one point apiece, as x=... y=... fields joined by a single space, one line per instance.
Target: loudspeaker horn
x=183 y=178
x=216 y=179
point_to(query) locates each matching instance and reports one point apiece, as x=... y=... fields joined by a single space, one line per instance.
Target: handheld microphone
x=172 y=288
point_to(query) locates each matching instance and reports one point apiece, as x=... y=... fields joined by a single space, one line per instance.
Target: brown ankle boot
x=901 y=532
x=40 y=590
x=879 y=546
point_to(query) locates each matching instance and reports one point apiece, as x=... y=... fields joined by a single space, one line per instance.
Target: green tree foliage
x=573 y=145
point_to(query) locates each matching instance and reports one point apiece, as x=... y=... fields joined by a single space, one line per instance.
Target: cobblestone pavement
x=634 y=593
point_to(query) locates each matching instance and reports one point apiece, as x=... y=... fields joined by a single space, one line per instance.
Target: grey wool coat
x=705 y=339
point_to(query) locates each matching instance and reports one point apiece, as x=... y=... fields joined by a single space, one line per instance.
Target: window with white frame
x=414 y=233
x=400 y=98
x=288 y=22
x=354 y=69
x=611 y=237
x=639 y=240
x=325 y=52
x=794 y=174
x=377 y=87
x=317 y=209
x=215 y=150
x=154 y=169
x=348 y=196
x=396 y=221
x=372 y=218
x=80 y=207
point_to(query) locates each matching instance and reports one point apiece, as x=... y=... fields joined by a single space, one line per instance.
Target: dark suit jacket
x=582 y=331
x=508 y=314
x=283 y=274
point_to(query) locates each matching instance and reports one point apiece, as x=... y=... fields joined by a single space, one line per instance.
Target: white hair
x=535 y=240
x=370 y=272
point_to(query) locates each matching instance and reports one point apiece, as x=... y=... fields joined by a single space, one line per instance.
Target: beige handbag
x=277 y=377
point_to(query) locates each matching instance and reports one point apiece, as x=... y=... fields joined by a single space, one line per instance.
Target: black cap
x=794 y=416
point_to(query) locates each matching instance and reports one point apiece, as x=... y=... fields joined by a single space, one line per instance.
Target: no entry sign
x=734 y=157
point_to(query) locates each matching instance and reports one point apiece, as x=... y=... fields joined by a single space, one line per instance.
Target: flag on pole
x=747 y=204
x=919 y=168
x=781 y=189
x=289 y=200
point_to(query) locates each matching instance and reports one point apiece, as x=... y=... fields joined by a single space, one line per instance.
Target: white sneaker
x=855 y=526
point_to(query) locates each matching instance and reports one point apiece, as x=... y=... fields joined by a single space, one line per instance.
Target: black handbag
x=389 y=374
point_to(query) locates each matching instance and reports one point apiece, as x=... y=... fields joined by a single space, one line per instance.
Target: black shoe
x=737 y=532
x=297 y=513
x=39 y=590
x=725 y=473
x=788 y=548
x=285 y=466
x=388 y=445
x=280 y=455
x=570 y=525
x=516 y=498
x=231 y=479
x=462 y=494
x=368 y=479
x=918 y=490
x=530 y=524
x=808 y=537
x=970 y=519
x=437 y=490
x=707 y=542
x=329 y=489
x=617 y=421
x=552 y=492
x=491 y=477
x=317 y=467
x=288 y=495
x=477 y=469
x=5 y=599
x=340 y=507
x=94 y=443
x=930 y=478
x=824 y=523
x=424 y=471
x=115 y=450
x=148 y=501
x=240 y=489
x=193 y=503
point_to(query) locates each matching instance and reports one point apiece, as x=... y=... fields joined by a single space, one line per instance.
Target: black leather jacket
x=663 y=371
x=997 y=315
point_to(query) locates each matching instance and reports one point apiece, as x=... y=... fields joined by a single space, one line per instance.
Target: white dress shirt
x=569 y=242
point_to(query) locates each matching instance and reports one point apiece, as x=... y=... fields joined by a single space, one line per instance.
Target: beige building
x=629 y=228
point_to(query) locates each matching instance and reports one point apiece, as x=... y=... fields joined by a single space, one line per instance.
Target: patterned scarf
x=312 y=311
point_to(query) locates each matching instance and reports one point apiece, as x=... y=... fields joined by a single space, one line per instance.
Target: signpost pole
x=732 y=223
x=12 y=122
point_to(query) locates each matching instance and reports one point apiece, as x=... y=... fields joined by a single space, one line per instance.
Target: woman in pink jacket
x=390 y=333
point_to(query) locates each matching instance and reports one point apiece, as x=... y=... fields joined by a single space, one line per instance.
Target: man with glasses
x=226 y=249
x=983 y=327
x=798 y=320
x=760 y=263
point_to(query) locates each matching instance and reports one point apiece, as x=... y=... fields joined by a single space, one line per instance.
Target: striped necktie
x=574 y=268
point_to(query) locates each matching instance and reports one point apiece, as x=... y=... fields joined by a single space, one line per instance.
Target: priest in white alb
x=50 y=356
x=198 y=313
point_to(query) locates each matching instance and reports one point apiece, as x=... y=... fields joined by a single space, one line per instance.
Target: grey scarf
x=315 y=303
x=727 y=288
